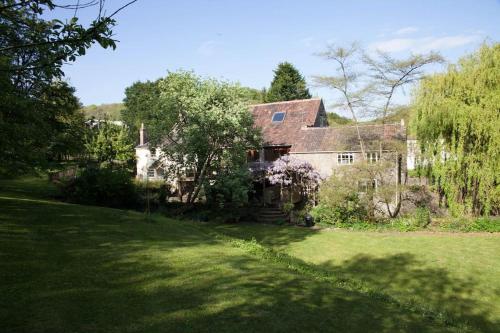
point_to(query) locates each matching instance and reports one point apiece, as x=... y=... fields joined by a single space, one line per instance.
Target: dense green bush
x=346 y=214
x=482 y=224
x=102 y=187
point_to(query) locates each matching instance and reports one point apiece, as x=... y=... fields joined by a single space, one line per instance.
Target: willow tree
x=457 y=123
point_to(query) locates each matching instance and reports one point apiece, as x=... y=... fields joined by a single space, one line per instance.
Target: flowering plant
x=294 y=172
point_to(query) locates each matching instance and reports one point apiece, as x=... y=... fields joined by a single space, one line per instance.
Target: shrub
x=229 y=189
x=338 y=215
x=287 y=207
x=102 y=187
x=482 y=224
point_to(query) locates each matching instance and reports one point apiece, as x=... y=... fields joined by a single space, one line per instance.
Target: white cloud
x=424 y=44
x=406 y=31
x=208 y=48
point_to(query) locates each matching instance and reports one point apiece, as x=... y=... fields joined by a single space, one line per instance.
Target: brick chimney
x=141 y=134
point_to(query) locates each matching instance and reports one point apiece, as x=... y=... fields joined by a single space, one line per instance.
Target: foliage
x=252 y=96
x=142 y=100
x=458 y=118
x=369 y=92
x=35 y=131
x=287 y=207
x=296 y=174
x=229 y=189
x=111 y=111
x=202 y=125
x=288 y=84
x=336 y=119
x=464 y=224
x=33 y=50
x=102 y=187
x=108 y=144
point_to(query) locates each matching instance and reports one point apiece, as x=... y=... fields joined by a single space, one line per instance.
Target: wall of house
x=144 y=160
x=411 y=156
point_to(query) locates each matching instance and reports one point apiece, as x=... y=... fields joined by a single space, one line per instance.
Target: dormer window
x=278 y=117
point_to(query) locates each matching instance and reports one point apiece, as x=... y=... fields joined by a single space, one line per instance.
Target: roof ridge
x=360 y=125
x=292 y=101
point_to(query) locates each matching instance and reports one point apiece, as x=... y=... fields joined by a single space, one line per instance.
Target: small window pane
x=151 y=172
x=345 y=158
x=278 y=116
x=372 y=157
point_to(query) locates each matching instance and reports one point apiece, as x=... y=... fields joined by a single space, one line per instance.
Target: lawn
x=72 y=268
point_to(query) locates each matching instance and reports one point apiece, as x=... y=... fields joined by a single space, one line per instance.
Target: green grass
x=457 y=273
x=72 y=268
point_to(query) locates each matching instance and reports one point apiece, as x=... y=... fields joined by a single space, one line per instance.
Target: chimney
x=141 y=134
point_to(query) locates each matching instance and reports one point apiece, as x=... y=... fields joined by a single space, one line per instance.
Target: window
x=151 y=172
x=372 y=157
x=345 y=158
x=160 y=172
x=278 y=117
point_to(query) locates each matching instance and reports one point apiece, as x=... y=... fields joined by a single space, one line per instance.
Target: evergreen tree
x=288 y=84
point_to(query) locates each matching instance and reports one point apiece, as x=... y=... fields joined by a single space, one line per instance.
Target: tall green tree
x=288 y=84
x=458 y=122
x=110 y=145
x=142 y=100
x=33 y=50
x=202 y=125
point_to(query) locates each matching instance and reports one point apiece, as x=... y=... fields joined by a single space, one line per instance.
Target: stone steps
x=271 y=215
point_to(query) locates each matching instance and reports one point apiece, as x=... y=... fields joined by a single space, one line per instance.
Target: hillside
x=111 y=111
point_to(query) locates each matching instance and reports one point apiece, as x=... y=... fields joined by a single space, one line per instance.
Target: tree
x=141 y=102
x=288 y=84
x=110 y=144
x=201 y=125
x=369 y=91
x=388 y=74
x=346 y=82
x=457 y=122
x=33 y=50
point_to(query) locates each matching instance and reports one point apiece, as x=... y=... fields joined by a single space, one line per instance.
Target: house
x=300 y=128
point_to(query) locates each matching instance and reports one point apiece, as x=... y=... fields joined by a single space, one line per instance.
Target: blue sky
x=245 y=40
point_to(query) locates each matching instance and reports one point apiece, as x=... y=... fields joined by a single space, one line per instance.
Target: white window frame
x=372 y=157
x=345 y=158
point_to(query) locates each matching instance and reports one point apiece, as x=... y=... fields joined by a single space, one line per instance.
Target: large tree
x=458 y=122
x=366 y=84
x=33 y=50
x=203 y=126
x=288 y=84
x=142 y=100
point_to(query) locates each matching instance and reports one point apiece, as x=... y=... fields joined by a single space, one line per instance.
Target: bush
x=157 y=191
x=102 y=187
x=482 y=224
x=338 y=215
x=229 y=190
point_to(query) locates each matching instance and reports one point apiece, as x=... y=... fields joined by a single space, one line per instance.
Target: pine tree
x=288 y=84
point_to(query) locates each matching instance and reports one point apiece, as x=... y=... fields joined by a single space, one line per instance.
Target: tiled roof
x=345 y=138
x=298 y=114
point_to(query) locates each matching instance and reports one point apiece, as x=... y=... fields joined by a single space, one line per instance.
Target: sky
x=244 y=41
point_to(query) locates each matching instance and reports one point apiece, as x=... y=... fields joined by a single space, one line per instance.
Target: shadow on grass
x=69 y=268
